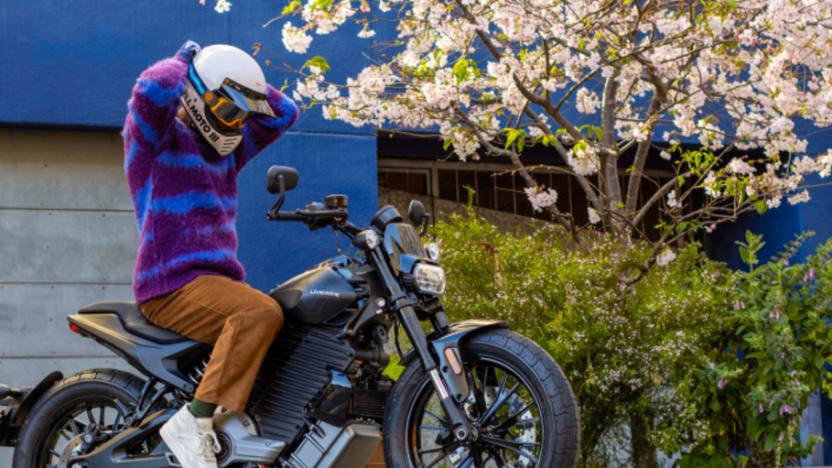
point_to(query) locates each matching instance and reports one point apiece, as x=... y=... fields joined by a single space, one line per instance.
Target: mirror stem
x=279 y=203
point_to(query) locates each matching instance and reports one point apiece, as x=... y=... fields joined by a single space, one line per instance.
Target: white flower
x=222 y=6
x=671 y=200
x=582 y=159
x=593 y=215
x=586 y=101
x=366 y=33
x=799 y=197
x=710 y=185
x=665 y=155
x=738 y=166
x=665 y=257
x=541 y=199
x=295 y=39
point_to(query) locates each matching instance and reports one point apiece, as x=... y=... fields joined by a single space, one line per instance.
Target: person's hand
x=188 y=50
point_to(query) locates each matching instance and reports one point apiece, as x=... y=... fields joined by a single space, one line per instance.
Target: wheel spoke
x=76 y=429
x=90 y=417
x=477 y=453
x=432 y=428
x=513 y=420
x=437 y=417
x=446 y=450
x=479 y=398
x=497 y=456
x=501 y=398
x=516 y=447
x=467 y=462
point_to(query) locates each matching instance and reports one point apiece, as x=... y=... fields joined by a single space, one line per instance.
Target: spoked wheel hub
x=504 y=416
x=81 y=430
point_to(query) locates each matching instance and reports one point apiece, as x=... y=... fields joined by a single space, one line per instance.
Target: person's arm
x=155 y=99
x=261 y=130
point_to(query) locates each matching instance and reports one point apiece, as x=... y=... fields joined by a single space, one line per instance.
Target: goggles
x=231 y=103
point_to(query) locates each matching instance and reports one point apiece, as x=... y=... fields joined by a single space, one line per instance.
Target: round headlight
x=432 y=250
x=371 y=238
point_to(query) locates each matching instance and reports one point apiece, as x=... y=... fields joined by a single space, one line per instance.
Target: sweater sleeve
x=261 y=130
x=154 y=102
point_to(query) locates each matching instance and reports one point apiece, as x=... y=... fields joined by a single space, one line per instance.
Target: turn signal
x=453 y=360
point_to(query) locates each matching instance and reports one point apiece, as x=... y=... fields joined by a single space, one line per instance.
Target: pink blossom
x=721 y=384
x=786 y=409
x=809 y=276
x=774 y=314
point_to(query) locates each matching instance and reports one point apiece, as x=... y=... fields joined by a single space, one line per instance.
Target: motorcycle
x=472 y=393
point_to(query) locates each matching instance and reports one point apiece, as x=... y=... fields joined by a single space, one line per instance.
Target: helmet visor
x=231 y=103
x=250 y=101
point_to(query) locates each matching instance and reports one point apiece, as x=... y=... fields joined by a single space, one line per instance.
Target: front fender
x=455 y=336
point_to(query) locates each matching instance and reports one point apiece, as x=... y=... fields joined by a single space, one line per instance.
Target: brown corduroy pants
x=240 y=321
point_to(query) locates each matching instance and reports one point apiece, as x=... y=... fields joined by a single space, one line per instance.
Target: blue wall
x=74 y=63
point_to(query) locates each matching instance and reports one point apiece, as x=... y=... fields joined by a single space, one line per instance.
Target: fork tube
x=460 y=425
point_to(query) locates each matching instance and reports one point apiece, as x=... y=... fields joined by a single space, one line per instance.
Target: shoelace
x=208 y=444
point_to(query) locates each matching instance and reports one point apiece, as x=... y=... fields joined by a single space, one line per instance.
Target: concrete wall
x=67 y=238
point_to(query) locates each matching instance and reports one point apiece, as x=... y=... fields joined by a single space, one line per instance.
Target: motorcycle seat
x=134 y=321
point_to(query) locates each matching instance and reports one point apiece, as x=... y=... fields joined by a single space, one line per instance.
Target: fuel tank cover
x=314 y=296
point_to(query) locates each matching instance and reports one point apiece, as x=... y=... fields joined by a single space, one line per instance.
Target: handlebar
x=307 y=215
x=337 y=217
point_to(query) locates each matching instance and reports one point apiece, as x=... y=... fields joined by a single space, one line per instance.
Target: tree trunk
x=643 y=452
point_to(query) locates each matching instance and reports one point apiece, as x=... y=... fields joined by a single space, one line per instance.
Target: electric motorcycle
x=472 y=393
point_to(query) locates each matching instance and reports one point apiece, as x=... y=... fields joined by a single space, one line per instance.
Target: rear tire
x=105 y=386
x=556 y=410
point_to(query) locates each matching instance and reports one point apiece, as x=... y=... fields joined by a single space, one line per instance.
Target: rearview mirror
x=418 y=215
x=286 y=175
x=416 y=212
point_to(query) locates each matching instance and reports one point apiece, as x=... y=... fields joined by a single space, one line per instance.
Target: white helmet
x=224 y=86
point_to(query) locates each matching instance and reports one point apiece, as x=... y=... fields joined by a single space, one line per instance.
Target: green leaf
x=318 y=62
x=290 y=8
x=461 y=70
x=394 y=369
x=760 y=206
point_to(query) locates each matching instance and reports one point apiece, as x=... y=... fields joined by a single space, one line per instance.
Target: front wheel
x=519 y=401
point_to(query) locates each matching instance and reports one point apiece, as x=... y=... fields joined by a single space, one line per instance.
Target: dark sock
x=201 y=409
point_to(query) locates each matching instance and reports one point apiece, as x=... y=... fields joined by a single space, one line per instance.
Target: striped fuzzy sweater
x=184 y=193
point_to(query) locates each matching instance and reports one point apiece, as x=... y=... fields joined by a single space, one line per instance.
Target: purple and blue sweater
x=185 y=194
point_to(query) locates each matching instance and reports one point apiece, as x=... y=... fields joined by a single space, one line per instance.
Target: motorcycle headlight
x=430 y=279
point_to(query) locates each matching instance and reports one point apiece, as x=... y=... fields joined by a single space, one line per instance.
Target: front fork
x=450 y=400
x=451 y=394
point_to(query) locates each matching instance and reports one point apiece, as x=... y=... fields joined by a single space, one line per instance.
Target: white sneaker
x=191 y=439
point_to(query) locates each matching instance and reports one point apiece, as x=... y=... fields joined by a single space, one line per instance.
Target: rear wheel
x=519 y=402
x=75 y=415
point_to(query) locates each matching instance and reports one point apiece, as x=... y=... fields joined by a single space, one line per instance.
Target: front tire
x=524 y=375
x=99 y=397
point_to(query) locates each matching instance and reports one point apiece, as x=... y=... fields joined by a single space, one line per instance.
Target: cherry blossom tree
x=593 y=81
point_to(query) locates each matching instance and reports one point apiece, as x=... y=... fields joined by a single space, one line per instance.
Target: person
x=194 y=121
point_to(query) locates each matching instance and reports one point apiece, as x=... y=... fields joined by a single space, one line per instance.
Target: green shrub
x=759 y=368
x=620 y=344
